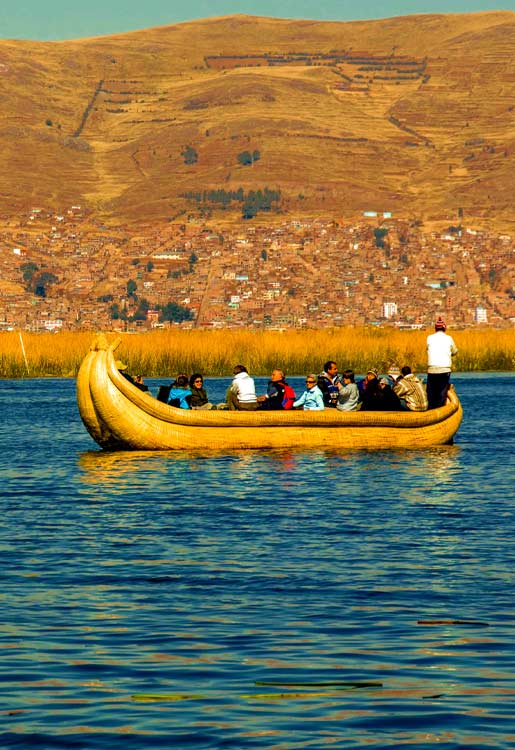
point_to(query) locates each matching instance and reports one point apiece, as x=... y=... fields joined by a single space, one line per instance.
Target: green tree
x=28 y=269
x=131 y=288
x=249 y=209
x=44 y=280
x=141 y=312
x=379 y=234
x=190 y=155
x=245 y=158
x=114 y=311
x=175 y=313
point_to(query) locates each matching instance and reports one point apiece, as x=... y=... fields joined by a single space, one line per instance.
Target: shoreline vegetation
x=214 y=353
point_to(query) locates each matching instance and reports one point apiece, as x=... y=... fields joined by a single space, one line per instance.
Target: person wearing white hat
x=440 y=351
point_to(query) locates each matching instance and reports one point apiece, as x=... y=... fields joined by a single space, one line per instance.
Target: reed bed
x=214 y=353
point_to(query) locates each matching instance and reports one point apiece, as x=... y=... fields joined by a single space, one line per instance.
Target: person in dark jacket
x=328 y=383
x=370 y=376
x=273 y=400
x=199 y=399
x=391 y=401
x=370 y=395
x=378 y=396
x=136 y=380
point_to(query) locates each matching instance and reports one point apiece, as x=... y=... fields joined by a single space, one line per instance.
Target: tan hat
x=120 y=365
x=394 y=371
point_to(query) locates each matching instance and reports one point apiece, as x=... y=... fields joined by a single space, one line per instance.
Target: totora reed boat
x=120 y=416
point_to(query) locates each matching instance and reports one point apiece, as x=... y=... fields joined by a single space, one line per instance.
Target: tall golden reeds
x=214 y=353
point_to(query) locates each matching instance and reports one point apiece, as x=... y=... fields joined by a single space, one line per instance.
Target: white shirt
x=243 y=387
x=440 y=351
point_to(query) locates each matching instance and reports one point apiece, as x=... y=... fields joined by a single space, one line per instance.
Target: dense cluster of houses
x=69 y=271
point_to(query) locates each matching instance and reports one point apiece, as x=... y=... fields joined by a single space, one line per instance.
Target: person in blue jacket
x=312 y=398
x=180 y=394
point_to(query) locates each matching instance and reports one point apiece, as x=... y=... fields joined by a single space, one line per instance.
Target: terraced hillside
x=414 y=115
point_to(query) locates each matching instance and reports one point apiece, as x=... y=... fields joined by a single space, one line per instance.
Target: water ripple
x=280 y=600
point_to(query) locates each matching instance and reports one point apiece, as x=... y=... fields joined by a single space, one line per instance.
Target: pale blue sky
x=71 y=19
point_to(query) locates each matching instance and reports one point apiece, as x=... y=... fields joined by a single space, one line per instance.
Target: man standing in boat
x=440 y=351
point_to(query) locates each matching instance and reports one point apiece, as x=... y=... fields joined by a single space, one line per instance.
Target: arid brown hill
x=414 y=115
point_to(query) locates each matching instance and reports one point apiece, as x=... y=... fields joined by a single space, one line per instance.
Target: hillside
x=413 y=115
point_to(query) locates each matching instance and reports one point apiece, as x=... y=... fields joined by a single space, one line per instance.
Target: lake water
x=283 y=600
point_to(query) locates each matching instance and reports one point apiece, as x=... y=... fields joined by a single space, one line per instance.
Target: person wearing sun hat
x=135 y=380
x=440 y=351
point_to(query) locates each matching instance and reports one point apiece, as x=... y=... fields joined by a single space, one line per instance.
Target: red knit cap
x=440 y=325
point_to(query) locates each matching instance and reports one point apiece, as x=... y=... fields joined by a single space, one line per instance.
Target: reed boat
x=120 y=416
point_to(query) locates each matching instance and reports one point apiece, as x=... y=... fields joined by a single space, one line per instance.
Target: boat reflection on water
x=427 y=475
x=443 y=468
x=99 y=467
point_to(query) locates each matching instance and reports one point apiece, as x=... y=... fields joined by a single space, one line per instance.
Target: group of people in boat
x=400 y=389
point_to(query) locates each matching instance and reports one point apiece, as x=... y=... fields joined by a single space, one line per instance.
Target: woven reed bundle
x=117 y=414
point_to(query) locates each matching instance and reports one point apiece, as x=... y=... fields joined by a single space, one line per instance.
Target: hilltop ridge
x=413 y=115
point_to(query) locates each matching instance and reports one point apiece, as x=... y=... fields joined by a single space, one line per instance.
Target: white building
x=389 y=309
x=480 y=315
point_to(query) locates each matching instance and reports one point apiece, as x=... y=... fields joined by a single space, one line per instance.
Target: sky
x=72 y=19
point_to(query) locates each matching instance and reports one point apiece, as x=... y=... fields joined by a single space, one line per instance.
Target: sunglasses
x=311 y=381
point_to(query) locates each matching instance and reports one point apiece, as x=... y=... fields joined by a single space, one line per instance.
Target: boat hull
x=120 y=416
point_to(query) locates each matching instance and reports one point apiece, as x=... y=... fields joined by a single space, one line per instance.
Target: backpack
x=289 y=397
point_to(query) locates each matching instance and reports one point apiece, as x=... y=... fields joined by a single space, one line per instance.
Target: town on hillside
x=68 y=271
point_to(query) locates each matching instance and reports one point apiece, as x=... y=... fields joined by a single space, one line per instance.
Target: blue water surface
x=279 y=600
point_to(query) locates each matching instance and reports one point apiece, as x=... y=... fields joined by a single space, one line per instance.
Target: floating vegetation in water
x=156 y=697
x=332 y=684
x=333 y=689
x=475 y=623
